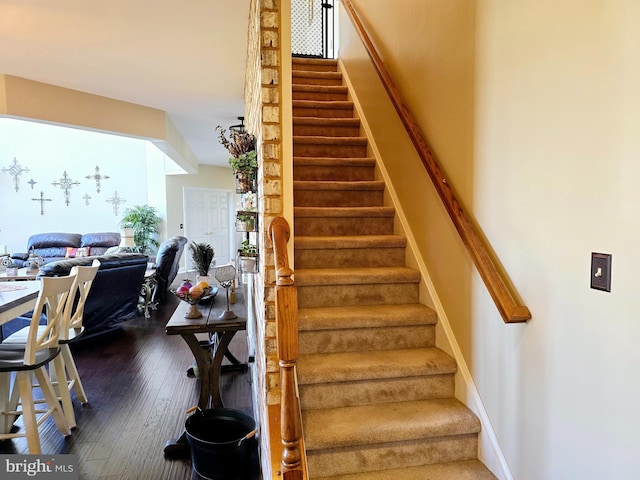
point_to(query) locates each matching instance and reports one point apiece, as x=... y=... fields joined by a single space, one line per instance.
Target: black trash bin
x=222 y=443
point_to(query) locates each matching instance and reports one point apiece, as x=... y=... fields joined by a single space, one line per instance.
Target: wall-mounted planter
x=245 y=181
x=246 y=221
x=248 y=263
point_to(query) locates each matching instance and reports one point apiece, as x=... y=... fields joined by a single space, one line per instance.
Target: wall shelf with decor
x=241 y=144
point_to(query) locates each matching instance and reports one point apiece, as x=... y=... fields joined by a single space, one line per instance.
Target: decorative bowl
x=192 y=298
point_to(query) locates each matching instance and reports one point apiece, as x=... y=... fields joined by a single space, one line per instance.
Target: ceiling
x=184 y=57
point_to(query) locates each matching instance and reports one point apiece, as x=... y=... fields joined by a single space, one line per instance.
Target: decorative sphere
x=202 y=285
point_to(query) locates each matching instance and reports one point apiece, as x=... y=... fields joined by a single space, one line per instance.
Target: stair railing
x=288 y=351
x=510 y=310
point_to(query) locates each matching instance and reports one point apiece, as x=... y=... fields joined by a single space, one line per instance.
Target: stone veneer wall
x=263 y=94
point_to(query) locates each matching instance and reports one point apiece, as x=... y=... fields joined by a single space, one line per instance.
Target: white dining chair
x=31 y=358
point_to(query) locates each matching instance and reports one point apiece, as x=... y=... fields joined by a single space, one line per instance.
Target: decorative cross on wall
x=15 y=170
x=116 y=200
x=97 y=177
x=65 y=183
x=86 y=198
x=41 y=200
x=32 y=182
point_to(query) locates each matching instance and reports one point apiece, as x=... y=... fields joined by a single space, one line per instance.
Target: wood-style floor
x=138 y=393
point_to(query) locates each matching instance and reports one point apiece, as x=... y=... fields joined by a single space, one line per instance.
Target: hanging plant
x=238 y=143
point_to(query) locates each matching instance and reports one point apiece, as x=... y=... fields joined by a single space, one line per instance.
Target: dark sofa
x=53 y=246
x=114 y=294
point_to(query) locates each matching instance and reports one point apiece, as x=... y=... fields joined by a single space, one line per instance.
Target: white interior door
x=207 y=219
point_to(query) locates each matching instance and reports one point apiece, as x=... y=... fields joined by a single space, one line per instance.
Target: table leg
x=204 y=363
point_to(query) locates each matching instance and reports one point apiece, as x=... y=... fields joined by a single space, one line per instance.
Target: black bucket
x=222 y=442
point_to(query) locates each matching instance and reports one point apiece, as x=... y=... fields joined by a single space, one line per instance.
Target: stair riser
x=343 y=226
x=357 y=295
x=335 y=174
x=350 y=257
x=324 y=96
x=327 y=112
x=365 y=339
x=342 y=198
x=336 y=150
x=299 y=80
x=368 y=458
x=325 y=130
x=348 y=394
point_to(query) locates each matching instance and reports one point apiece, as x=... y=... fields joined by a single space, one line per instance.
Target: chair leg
x=74 y=377
x=24 y=385
x=5 y=401
x=62 y=389
x=52 y=401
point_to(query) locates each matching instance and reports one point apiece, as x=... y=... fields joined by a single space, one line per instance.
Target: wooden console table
x=208 y=354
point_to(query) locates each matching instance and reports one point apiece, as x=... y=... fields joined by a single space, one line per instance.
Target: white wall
x=47 y=151
x=532 y=109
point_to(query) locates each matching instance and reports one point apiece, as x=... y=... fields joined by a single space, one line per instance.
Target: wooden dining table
x=16 y=298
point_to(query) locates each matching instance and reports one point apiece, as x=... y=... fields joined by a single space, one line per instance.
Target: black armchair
x=167 y=265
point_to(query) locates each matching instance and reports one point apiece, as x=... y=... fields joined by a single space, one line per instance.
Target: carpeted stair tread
x=301 y=74
x=356 y=276
x=338 y=141
x=385 y=423
x=320 y=104
x=321 y=121
x=365 y=316
x=350 y=241
x=463 y=470
x=319 y=92
x=373 y=365
x=315 y=64
x=334 y=161
x=356 y=212
x=342 y=186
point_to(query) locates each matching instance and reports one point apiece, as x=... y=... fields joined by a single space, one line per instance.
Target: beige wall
x=531 y=107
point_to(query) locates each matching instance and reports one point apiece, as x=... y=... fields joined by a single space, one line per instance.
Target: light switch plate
x=601 y=271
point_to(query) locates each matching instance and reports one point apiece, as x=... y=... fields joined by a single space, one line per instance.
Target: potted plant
x=145 y=222
x=202 y=256
x=247 y=255
x=246 y=221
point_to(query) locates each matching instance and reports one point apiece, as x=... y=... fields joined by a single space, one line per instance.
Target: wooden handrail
x=287 y=341
x=510 y=310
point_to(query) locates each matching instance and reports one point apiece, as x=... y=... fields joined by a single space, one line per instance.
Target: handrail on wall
x=288 y=352
x=510 y=310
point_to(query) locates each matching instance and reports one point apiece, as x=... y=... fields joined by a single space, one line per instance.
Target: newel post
x=287 y=343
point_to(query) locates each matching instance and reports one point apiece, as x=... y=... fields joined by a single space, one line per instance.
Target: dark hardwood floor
x=138 y=392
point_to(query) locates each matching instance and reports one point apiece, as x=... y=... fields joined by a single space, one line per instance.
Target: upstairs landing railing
x=288 y=351
x=510 y=310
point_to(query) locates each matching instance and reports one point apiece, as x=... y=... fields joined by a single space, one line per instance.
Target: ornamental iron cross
x=65 y=183
x=116 y=200
x=97 y=177
x=15 y=170
x=41 y=200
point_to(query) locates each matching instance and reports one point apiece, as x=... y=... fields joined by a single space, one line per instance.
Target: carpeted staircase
x=377 y=395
